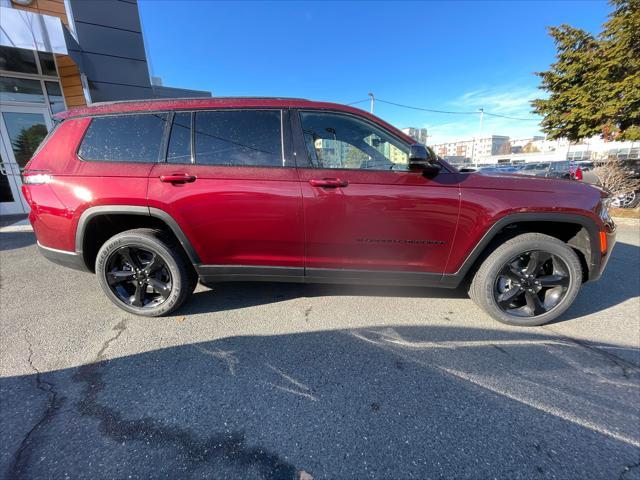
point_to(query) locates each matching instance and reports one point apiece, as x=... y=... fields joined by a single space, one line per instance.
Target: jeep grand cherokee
x=153 y=196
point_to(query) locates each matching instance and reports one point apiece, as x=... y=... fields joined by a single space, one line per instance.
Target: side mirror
x=422 y=159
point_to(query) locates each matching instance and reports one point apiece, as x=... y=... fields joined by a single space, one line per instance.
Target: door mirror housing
x=423 y=159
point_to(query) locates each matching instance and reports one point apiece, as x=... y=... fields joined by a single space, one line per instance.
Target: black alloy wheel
x=138 y=277
x=531 y=284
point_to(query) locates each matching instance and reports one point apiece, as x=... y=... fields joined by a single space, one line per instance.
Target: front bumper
x=598 y=269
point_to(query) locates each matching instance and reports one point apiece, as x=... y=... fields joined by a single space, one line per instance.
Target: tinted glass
x=47 y=64
x=56 y=100
x=17 y=60
x=179 y=150
x=244 y=137
x=125 y=138
x=343 y=141
x=20 y=90
x=5 y=187
x=26 y=131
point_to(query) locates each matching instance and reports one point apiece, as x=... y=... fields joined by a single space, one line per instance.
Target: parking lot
x=280 y=381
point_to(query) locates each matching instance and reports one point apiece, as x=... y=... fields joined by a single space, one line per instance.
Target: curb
x=16 y=229
x=633 y=222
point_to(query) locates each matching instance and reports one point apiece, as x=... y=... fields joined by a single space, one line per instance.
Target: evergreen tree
x=594 y=85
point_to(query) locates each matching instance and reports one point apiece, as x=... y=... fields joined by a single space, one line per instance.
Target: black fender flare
x=454 y=279
x=93 y=212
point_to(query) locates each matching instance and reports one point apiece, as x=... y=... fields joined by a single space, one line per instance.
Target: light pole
x=372 y=100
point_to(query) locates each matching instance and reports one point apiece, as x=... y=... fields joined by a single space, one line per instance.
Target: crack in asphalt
x=230 y=447
x=21 y=456
x=625 y=365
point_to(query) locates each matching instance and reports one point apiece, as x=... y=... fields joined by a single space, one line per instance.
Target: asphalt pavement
x=283 y=381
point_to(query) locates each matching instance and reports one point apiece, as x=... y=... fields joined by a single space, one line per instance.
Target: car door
x=363 y=209
x=230 y=184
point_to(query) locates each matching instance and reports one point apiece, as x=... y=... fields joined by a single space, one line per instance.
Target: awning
x=32 y=31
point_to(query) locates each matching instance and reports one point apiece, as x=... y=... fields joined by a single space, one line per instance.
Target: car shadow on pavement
x=234 y=295
x=378 y=402
x=15 y=240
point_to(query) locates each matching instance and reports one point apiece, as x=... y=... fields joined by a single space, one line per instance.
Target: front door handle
x=328 y=182
x=178 y=178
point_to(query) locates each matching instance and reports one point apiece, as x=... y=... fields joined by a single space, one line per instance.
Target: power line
x=359 y=101
x=425 y=109
x=512 y=118
x=452 y=112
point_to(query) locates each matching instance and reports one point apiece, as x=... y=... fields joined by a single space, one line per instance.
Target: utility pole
x=372 y=100
x=479 y=135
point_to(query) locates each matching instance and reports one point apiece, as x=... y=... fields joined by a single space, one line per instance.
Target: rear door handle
x=328 y=182
x=178 y=178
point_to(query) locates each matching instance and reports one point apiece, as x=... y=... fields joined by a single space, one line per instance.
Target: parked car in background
x=585 y=166
x=563 y=169
x=153 y=196
x=498 y=169
x=533 y=168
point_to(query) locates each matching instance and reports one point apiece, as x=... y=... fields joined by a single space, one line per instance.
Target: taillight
x=36 y=177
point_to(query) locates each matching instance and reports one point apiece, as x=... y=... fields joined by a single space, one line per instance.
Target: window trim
x=164 y=158
x=283 y=158
x=301 y=144
x=93 y=117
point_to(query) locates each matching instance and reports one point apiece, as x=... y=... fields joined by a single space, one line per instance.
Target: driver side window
x=336 y=140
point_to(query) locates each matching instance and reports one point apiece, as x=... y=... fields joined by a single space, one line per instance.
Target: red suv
x=154 y=195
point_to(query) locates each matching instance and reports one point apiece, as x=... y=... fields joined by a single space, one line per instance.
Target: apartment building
x=419 y=134
x=474 y=149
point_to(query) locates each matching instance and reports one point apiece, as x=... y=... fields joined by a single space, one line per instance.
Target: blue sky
x=454 y=55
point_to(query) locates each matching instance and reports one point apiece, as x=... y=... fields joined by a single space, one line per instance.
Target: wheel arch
x=97 y=224
x=578 y=231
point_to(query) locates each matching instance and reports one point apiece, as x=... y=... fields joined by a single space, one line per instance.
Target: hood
x=501 y=181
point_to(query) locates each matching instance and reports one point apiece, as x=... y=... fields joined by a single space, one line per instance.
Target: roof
x=151 y=105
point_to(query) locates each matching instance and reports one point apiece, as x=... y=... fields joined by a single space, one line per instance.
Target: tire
x=145 y=272
x=507 y=292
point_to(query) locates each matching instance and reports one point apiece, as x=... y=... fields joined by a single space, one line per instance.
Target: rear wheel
x=145 y=272
x=529 y=280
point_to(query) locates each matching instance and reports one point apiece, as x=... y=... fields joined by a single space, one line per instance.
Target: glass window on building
x=56 y=100
x=47 y=64
x=18 y=60
x=26 y=131
x=20 y=90
x=124 y=138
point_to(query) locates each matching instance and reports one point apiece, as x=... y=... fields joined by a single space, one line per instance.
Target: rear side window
x=124 y=138
x=241 y=138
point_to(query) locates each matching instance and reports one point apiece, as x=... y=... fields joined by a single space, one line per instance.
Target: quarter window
x=179 y=150
x=124 y=138
x=343 y=141
x=239 y=137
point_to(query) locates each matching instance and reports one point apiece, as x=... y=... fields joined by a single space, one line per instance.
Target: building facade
x=60 y=54
x=474 y=150
x=419 y=134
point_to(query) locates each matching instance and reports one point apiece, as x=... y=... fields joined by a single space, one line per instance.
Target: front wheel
x=145 y=272
x=528 y=280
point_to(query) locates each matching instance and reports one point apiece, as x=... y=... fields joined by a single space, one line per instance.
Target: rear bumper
x=64 y=258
